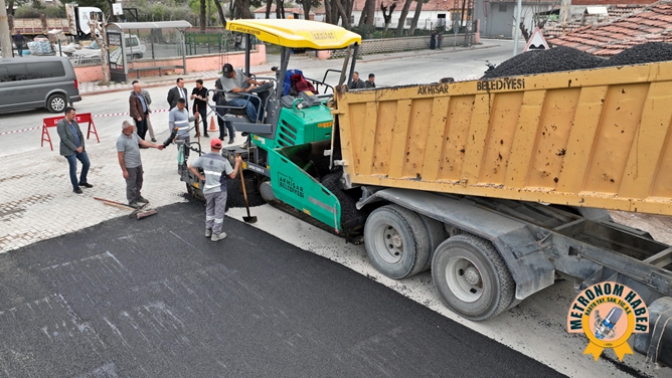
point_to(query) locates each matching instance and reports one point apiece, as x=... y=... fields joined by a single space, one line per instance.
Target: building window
x=502 y=7
x=352 y=19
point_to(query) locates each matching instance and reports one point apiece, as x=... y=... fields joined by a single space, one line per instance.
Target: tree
x=387 y=16
x=100 y=36
x=402 y=18
x=221 y=12
x=538 y=20
x=416 y=17
x=308 y=5
x=202 y=16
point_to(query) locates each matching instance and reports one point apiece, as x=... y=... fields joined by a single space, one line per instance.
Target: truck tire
x=436 y=233
x=396 y=242
x=56 y=103
x=472 y=277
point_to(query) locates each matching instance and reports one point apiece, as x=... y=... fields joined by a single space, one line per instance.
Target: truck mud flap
x=657 y=344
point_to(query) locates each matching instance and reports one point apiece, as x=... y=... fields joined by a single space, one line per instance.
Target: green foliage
x=164 y=11
x=102 y=4
x=28 y=11
x=37 y=4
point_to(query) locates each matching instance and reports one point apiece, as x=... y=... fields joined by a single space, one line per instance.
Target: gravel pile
x=645 y=53
x=541 y=61
x=235 y=196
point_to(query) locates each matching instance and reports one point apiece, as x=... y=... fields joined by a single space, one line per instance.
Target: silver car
x=29 y=83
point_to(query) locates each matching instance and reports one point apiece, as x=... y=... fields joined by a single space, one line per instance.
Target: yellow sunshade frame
x=296 y=34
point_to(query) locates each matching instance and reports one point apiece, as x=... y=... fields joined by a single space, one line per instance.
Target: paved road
x=155 y=298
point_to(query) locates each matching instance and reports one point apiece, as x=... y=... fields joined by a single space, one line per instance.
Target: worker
x=356 y=83
x=72 y=148
x=18 y=41
x=371 y=83
x=235 y=84
x=148 y=101
x=179 y=117
x=220 y=101
x=128 y=152
x=214 y=166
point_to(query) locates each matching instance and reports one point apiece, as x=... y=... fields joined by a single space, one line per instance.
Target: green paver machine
x=289 y=150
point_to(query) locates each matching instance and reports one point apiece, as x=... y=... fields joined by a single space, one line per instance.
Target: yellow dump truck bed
x=597 y=138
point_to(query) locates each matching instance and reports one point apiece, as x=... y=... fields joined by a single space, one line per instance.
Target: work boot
x=85 y=184
x=231 y=141
x=205 y=135
x=218 y=237
x=135 y=204
x=77 y=190
x=208 y=232
x=141 y=199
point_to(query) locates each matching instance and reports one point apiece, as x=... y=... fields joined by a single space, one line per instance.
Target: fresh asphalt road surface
x=154 y=298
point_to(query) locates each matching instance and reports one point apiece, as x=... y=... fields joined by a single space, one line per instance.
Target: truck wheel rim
x=58 y=104
x=389 y=244
x=464 y=279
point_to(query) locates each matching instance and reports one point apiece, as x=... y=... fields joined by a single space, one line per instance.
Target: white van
x=91 y=54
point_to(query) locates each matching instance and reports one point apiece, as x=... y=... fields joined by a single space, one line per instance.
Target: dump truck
x=498 y=186
x=76 y=22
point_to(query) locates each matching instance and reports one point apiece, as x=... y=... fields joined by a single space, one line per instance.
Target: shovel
x=248 y=218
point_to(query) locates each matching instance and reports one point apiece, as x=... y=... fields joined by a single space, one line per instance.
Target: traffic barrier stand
x=79 y=118
x=212 y=124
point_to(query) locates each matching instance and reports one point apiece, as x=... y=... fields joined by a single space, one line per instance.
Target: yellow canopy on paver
x=297 y=34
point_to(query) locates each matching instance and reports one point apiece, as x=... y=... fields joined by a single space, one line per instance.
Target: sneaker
x=218 y=237
x=135 y=205
x=154 y=140
x=208 y=232
x=77 y=190
x=85 y=184
x=141 y=199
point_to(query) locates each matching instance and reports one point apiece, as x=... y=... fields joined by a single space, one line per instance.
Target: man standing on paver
x=176 y=93
x=179 y=117
x=215 y=169
x=139 y=110
x=128 y=150
x=356 y=82
x=200 y=97
x=371 y=83
x=72 y=147
x=148 y=101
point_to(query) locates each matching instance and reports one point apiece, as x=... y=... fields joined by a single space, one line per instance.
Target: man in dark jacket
x=220 y=100
x=356 y=82
x=18 y=41
x=176 y=93
x=139 y=110
x=371 y=83
x=72 y=147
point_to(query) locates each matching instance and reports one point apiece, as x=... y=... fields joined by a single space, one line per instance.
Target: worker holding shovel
x=214 y=168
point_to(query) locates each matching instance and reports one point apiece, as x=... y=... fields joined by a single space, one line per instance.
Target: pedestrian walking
x=371 y=83
x=139 y=110
x=148 y=101
x=128 y=151
x=176 y=93
x=432 y=40
x=72 y=148
x=214 y=166
x=18 y=41
x=200 y=97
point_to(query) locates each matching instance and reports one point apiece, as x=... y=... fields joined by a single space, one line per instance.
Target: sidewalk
x=303 y=61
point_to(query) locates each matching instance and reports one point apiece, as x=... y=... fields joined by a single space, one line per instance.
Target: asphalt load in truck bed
x=542 y=61
x=645 y=53
x=349 y=212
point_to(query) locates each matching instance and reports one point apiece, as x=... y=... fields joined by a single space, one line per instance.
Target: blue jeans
x=72 y=161
x=250 y=108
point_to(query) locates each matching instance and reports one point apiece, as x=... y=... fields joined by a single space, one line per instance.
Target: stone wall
x=386 y=45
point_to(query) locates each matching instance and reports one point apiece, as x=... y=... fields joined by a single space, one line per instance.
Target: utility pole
x=5 y=38
x=516 y=33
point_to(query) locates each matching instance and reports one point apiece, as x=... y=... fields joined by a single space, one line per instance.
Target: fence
x=386 y=45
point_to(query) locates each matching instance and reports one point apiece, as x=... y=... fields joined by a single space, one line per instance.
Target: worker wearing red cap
x=215 y=169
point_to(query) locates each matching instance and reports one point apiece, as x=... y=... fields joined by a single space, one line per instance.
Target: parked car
x=134 y=50
x=32 y=82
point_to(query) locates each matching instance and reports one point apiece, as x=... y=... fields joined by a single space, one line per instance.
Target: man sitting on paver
x=235 y=84
x=214 y=167
x=72 y=147
x=128 y=149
